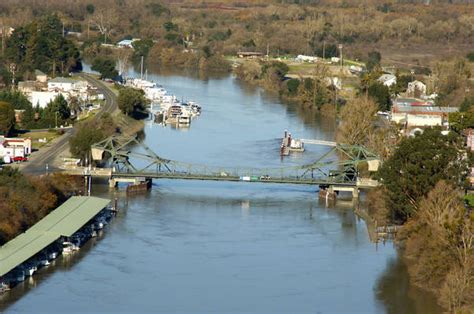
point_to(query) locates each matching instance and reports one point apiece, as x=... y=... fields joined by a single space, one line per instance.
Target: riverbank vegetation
x=25 y=200
x=423 y=184
x=132 y=102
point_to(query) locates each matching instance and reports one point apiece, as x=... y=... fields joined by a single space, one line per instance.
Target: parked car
x=19 y=159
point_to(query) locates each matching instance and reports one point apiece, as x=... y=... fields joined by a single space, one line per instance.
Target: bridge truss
x=339 y=166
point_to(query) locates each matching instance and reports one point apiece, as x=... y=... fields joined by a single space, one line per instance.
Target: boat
x=69 y=248
x=4 y=287
x=184 y=119
x=196 y=109
x=18 y=275
x=296 y=146
x=43 y=261
x=173 y=114
x=29 y=268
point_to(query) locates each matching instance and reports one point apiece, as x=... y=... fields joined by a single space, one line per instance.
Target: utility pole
x=13 y=70
x=324 y=50
x=56 y=115
x=340 y=55
x=3 y=40
x=141 y=68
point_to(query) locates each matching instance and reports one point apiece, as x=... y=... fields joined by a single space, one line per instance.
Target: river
x=192 y=246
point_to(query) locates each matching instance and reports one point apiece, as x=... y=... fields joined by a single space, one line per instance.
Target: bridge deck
x=203 y=177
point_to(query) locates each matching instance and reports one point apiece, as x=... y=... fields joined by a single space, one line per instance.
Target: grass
x=469 y=198
x=37 y=136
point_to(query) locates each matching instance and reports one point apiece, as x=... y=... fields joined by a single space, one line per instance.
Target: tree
x=142 y=48
x=105 y=66
x=374 y=58
x=132 y=101
x=459 y=121
x=81 y=142
x=292 y=86
x=439 y=241
x=41 y=45
x=381 y=94
x=57 y=111
x=105 y=20
x=357 y=121
x=417 y=165
x=90 y=8
x=470 y=56
x=7 y=118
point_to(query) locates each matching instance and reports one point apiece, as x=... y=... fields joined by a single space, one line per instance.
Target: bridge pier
x=132 y=180
x=330 y=192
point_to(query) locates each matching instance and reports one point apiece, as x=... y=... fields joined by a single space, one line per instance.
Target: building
x=41 y=77
x=249 y=54
x=387 y=79
x=303 y=58
x=27 y=87
x=469 y=134
x=14 y=147
x=421 y=116
x=61 y=84
x=42 y=99
x=412 y=102
x=126 y=43
x=416 y=89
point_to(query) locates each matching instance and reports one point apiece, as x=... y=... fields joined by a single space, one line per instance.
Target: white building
x=14 y=147
x=303 y=58
x=126 y=43
x=61 y=84
x=388 y=79
x=416 y=87
x=43 y=98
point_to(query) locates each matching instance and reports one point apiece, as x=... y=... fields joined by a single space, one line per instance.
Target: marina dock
x=34 y=248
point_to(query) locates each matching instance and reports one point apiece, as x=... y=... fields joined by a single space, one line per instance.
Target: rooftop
x=424 y=109
x=63 y=221
x=39 y=72
x=61 y=80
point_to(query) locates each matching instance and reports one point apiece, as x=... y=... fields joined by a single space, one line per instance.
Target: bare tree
x=105 y=21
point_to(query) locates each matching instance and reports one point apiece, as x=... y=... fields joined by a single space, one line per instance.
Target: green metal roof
x=63 y=221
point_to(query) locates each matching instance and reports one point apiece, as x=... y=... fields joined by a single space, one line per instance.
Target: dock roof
x=63 y=221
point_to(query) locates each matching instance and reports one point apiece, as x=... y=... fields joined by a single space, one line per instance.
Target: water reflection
x=399 y=296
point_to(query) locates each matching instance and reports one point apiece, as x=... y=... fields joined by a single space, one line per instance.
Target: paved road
x=47 y=155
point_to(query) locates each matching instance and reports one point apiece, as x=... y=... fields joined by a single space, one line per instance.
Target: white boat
x=184 y=118
x=29 y=269
x=69 y=248
x=4 y=287
x=195 y=108
x=296 y=146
